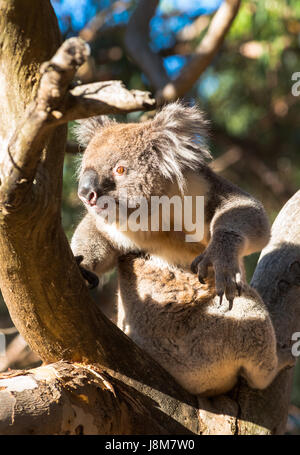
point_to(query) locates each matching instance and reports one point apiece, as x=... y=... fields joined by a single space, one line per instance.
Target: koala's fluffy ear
x=179 y=135
x=85 y=129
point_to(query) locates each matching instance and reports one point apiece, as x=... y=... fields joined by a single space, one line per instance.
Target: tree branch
x=74 y=399
x=137 y=45
x=55 y=104
x=185 y=36
x=205 y=52
x=279 y=264
x=95 y=26
x=100 y=98
x=277 y=279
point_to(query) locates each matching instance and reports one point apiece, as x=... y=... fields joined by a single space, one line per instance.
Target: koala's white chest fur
x=170 y=246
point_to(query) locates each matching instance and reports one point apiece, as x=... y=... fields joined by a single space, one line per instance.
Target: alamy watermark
x=296 y=346
x=159 y=213
x=296 y=85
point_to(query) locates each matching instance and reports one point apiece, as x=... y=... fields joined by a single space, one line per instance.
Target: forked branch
x=205 y=52
x=57 y=103
x=138 y=47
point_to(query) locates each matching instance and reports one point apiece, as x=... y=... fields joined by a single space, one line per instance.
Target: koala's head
x=140 y=159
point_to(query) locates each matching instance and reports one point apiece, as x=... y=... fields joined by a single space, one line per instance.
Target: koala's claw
x=220 y=298
x=239 y=289
x=194 y=264
x=200 y=266
x=228 y=279
x=89 y=276
x=228 y=283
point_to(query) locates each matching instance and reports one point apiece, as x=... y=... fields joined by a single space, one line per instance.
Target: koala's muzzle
x=89 y=188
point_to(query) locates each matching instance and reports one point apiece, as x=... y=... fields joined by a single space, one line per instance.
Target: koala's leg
x=285 y=357
x=261 y=371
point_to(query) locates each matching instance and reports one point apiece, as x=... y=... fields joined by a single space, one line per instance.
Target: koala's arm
x=238 y=227
x=99 y=256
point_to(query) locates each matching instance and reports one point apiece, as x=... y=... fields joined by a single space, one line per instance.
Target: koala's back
x=180 y=323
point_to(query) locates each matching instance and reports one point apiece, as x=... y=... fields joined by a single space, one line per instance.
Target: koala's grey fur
x=162 y=305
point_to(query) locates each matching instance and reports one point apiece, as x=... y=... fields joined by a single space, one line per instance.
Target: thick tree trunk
x=42 y=286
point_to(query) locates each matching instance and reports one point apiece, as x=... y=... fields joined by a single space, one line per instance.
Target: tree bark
x=45 y=293
x=64 y=398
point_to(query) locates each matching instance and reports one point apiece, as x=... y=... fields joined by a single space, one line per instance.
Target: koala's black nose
x=89 y=189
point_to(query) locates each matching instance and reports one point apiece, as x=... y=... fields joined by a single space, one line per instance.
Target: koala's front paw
x=228 y=279
x=89 y=276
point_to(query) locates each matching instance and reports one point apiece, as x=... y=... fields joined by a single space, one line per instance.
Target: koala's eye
x=120 y=170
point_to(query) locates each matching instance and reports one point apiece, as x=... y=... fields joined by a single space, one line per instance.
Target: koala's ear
x=85 y=129
x=179 y=133
x=188 y=123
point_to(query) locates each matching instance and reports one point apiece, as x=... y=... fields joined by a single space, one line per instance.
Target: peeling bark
x=72 y=399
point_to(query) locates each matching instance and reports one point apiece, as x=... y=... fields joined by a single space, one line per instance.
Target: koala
x=186 y=303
